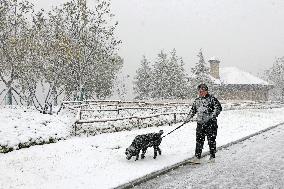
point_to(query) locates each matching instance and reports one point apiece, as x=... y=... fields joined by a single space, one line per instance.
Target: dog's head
x=129 y=152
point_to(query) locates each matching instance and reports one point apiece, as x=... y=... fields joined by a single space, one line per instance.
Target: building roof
x=214 y=58
x=233 y=75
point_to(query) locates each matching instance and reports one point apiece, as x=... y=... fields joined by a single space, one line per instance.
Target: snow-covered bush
x=22 y=127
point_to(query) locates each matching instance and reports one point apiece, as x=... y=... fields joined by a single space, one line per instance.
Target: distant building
x=231 y=83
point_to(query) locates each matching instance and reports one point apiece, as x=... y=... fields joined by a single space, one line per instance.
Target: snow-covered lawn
x=22 y=126
x=99 y=161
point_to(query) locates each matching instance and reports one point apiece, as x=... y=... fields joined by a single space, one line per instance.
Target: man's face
x=202 y=92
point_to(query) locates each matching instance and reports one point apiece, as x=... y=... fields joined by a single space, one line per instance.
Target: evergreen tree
x=276 y=75
x=169 y=80
x=142 y=81
x=120 y=91
x=178 y=77
x=200 y=74
x=159 y=77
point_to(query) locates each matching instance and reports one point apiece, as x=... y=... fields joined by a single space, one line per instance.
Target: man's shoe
x=211 y=160
x=195 y=160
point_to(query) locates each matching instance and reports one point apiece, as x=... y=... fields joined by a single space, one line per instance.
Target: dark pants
x=210 y=130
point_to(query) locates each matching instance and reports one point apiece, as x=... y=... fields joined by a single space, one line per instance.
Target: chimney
x=214 y=67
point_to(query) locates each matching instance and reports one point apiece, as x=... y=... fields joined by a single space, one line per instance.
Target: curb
x=154 y=174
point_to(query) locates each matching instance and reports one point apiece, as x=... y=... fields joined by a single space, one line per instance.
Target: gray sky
x=248 y=34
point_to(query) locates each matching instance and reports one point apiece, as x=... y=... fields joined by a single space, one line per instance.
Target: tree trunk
x=54 y=98
x=282 y=94
x=9 y=95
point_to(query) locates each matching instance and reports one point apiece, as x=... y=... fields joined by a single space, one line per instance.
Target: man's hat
x=203 y=87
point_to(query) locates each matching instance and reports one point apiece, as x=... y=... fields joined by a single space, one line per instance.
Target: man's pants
x=210 y=130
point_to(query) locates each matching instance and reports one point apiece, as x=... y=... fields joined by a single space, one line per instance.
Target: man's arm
x=192 y=112
x=217 y=108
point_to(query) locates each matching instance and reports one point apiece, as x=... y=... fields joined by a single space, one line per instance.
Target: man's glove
x=188 y=119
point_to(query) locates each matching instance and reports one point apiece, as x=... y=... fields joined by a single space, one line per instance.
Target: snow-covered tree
x=142 y=81
x=14 y=40
x=52 y=58
x=70 y=50
x=168 y=77
x=276 y=75
x=91 y=47
x=178 y=77
x=160 y=77
x=200 y=74
x=120 y=90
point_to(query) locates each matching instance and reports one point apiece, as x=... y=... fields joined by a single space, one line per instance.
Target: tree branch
x=2 y=91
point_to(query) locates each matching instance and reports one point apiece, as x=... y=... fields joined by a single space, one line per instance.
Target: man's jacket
x=206 y=108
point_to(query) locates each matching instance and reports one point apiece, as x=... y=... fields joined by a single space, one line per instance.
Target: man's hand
x=188 y=119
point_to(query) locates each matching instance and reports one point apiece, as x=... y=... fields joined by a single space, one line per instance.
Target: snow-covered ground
x=99 y=161
x=254 y=163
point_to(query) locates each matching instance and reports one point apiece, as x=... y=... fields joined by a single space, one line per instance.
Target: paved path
x=255 y=163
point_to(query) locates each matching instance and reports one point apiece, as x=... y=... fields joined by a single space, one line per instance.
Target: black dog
x=142 y=142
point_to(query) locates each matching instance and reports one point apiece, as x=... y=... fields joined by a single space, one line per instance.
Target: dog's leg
x=155 y=152
x=159 y=150
x=143 y=153
x=137 y=155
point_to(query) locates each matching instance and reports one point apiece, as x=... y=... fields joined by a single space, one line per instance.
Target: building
x=231 y=83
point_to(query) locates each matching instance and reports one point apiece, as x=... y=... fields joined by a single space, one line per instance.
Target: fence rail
x=117 y=106
x=79 y=121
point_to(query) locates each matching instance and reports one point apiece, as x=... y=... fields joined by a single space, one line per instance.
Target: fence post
x=78 y=118
x=59 y=108
x=75 y=128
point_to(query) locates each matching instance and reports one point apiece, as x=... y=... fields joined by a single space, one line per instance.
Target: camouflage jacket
x=206 y=109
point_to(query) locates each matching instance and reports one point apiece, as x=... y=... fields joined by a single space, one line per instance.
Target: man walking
x=207 y=108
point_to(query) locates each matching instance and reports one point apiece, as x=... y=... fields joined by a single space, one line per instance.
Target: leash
x=175 y=129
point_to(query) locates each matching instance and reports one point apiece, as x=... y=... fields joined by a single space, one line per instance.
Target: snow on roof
x=214 y=58
x=233 y=75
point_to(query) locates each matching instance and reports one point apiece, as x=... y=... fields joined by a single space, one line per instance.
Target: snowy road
x=255 y=163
